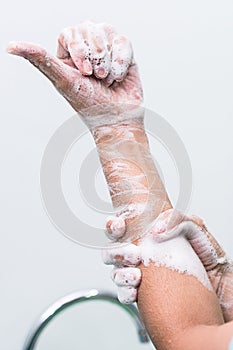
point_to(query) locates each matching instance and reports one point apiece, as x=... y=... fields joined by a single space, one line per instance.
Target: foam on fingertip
x=127 y=295
x=11 y=46
x=128 y=276
x=115 y=227
x=118 y=255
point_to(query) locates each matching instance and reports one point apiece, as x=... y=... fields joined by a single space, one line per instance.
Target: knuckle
x=121 y=39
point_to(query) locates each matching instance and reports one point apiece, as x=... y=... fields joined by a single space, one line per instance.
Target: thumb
x=53 y=68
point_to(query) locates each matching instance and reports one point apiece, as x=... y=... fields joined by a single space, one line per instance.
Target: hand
x=218 y=266
x=168 y=225
x=125 y=257
x=125 y=274
x=94 y=68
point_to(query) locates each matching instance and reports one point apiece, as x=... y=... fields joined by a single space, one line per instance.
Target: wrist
x=113 y=116
x=127 y=132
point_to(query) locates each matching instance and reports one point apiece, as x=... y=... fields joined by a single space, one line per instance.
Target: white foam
x=127 y=295
x=127 y=276
x=119 y=254
x=175 y=254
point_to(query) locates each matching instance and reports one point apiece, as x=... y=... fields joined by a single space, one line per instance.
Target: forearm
x=178 y=311
x=134 y=183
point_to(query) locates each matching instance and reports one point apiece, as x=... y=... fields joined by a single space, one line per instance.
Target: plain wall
x=185 y=55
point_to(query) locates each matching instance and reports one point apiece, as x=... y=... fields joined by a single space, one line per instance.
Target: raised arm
x=96 y=74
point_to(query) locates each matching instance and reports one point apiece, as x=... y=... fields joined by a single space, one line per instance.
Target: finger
x=49 y=65
x=122 y=56
x=122 y=255
x=63 y=53
x=162 y=234
x=224 y=292
x=196 y=219
x=101 y=65
x=102 y=43
x=79 y=55
x=110 y=33
x=90 y=43
x=62 y=49
x=126 y=276
x=127 y=295
x=205 y=245
x=72 y=43
x=197 y=238
x=115 y=227
x=166 y=225
x=99 y=55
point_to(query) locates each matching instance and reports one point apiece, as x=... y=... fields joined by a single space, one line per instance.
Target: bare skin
x=174 y=306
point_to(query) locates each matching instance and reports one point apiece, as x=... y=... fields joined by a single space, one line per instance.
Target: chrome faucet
x=78 y=297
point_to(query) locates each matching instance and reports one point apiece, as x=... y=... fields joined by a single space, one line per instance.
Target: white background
x=184 y=51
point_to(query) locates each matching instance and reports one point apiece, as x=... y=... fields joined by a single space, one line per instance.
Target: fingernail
x=87 y=67
x=101 y=73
